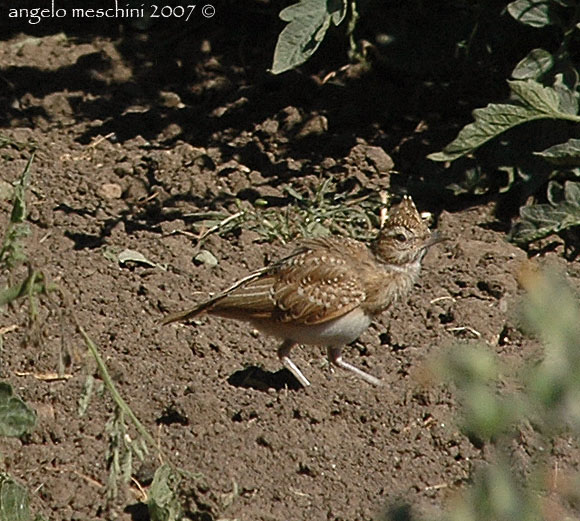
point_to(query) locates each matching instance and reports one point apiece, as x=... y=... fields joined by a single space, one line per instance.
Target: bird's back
x=319 y=281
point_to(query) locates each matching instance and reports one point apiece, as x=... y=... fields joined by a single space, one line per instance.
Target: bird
x=328 y=290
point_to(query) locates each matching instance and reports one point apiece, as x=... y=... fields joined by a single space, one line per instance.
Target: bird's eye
x=400 y=237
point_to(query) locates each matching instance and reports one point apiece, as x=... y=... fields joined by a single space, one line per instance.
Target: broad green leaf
x=534 y=65
x=163 y=503
x=16 y=418
x=535 y=13
x=308 y=22
x=302 y=9
x=536 y=222
x=302 y=36
x=490 y=122
x=540 y=220
x=543 y=99
x=572 y=193
x=568 y=99
x=539 y=102
x=566 y=154
x=543 y=216
x=14 y=504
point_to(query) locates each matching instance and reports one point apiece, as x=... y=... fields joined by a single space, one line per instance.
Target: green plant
x=164 y=497
x=308 y=21
x=545 y=86
x=327 y=210
x=14 y=502
x=560 y=215
x=16 y=419
x=546 y=398
x=11 y=251
x=532 y=101
x=121 y=447
x=162 y=502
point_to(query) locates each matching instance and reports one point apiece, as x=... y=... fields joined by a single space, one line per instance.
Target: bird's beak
x=435 y=238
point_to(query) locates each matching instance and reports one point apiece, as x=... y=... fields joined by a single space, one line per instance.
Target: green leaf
x=33 y=285
x=551 y=312
x=10 y=250
x=490 y=122
x=534 y=65
x=566 y=154
x=19 y=206
x=163 y=503
x=568 y=99
x=11 y=253
x=16 y=418
x=535 y=13
x=572 y=194
x=535 y=95
x=14 y=504
x=540 y=220
x=308 y=22
x=539 y=102
x=86 y=395
x=486 y=414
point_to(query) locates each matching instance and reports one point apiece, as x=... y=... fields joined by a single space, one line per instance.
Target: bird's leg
x=335 y=357
x=284 y=356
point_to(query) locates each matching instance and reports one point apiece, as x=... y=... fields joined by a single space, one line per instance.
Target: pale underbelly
x=337 y=332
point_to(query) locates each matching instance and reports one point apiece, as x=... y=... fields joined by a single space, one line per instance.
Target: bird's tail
x=208 y=304
x=188 y=314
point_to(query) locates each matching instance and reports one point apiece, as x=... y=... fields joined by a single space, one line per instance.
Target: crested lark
x=328 y=290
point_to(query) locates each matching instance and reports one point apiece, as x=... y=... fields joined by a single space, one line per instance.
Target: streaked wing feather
x=317 y=292
x=252 y=300
x=312 y=285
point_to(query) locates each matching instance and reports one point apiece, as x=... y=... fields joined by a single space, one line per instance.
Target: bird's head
x=405 y=237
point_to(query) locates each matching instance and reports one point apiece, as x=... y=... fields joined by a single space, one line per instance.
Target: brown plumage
x=327 y=291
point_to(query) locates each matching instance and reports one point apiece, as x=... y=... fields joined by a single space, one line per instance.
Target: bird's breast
x=389 y=285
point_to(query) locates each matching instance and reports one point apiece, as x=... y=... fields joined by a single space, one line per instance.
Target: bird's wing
x=318 y=292
x=311 y=286
x=317 y=282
